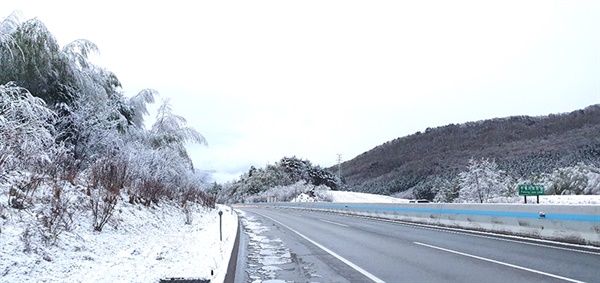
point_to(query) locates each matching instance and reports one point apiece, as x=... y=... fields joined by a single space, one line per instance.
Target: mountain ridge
x=521 y=145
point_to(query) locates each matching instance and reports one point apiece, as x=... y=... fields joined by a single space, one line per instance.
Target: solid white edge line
x=335 y=223
x=349 y=263
x=501 y=263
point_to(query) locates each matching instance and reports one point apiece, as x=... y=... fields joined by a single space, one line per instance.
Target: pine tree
x=482 y=181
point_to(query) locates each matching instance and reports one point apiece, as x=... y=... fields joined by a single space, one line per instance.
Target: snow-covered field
x=579 y=199
x=341 y=196
x=344 y=196
x=139 y=245
x=554 y=199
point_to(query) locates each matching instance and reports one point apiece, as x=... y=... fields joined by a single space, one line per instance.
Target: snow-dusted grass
x=139 y=244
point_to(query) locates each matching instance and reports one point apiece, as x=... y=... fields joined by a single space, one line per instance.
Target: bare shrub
x=324 y=195
x=105 y=181
x=110 y=174
x=190 y=195
x=26 y=239
x=70 y=170
x=208 y=200
x=187 y=212
x=4 y=157
x=2 y=215
x=2 y=211
x=148 y=191
x=19 y=196
x=64 y=166
x=56 y=217
x=103 y=205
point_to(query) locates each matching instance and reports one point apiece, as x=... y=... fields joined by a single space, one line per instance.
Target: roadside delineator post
x=220 y=225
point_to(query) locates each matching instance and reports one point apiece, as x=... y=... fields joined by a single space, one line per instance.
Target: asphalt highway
x=327 y=247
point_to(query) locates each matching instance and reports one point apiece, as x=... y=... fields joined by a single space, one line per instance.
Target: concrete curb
x=233 y=259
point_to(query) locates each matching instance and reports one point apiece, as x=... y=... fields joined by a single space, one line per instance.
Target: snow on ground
x=265 y=256
x=303 y=197
x=343 y=196
x=578 y=199
x=143 y=244
x=140 y=244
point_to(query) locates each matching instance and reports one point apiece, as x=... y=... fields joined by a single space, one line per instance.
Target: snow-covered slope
x=139 y=245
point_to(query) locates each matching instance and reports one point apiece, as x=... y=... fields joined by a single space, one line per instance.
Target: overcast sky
x=266 y=79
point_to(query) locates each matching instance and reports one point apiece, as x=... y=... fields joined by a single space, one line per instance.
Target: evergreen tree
x=482 y=181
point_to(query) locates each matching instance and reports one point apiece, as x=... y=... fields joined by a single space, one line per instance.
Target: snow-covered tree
x=171 y=131
x=573 y=180
x=482 y=181
x=32 y=58
x=288 y=171
x=26 y=132
x=138 y=107
x=446 y=190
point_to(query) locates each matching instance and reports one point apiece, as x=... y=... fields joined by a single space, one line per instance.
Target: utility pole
x=339 y=159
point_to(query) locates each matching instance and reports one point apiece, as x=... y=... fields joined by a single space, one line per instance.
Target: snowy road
x=294 y=245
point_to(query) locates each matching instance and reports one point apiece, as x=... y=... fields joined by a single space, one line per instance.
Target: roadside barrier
x=578 y=224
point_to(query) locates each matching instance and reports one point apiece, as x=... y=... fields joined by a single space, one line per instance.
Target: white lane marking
x=349 y=263
x=501 y=263
x=331 y=222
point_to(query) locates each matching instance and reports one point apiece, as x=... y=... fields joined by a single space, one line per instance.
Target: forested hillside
x=523 y=148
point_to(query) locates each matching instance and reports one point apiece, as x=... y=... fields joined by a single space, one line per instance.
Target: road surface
x=306 y=246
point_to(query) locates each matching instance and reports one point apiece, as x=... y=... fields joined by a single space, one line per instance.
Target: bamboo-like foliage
x=31 y=57
x=57 y=106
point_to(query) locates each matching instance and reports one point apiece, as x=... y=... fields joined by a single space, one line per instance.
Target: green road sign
x=531 y=190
